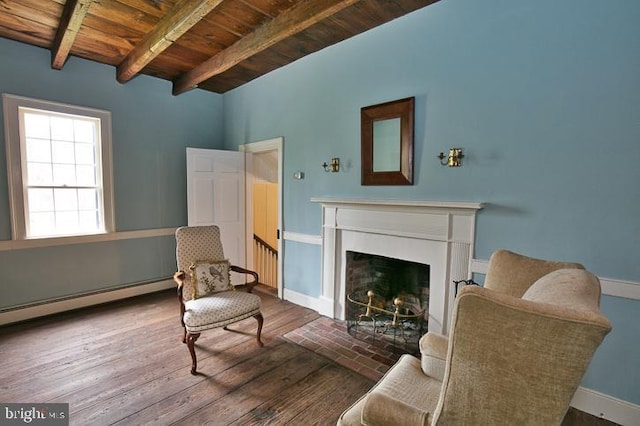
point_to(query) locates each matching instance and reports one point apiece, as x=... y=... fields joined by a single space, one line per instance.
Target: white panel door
x=215 y=196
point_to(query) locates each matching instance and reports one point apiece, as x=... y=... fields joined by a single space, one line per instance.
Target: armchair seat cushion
x=219 y=309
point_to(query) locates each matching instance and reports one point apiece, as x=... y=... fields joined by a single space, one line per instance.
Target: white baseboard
x=57 y=306
x=606 y=407
x=321 y=305
x=302 y=300
x=325 y=307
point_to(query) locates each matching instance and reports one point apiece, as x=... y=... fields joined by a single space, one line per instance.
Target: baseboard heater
x=67 y=303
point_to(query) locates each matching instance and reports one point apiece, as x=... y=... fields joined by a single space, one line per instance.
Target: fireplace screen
x=387 y=301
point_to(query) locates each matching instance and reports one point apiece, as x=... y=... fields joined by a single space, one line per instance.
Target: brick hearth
x=329 y=337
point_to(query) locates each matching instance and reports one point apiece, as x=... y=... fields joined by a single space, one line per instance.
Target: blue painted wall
x=543 y=96
x=151 y=129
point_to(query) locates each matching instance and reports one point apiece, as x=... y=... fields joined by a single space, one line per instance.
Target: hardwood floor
x=123 y=363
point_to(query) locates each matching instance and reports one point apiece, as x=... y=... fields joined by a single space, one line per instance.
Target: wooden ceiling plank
x=70 y=22
x=26 y=31
x=257 y=9
x=47 y=14
x=153 y=8
x=123 y=14
x=179 y=20
x=298 y=18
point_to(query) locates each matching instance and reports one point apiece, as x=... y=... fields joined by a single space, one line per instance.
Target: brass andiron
x=372 y=309
x=397 y=302
x=370 y=295
x=395 y=323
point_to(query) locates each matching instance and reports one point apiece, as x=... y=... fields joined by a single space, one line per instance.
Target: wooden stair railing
x=265 y=259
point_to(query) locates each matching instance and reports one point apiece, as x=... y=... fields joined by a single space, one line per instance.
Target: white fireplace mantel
x=438 y=233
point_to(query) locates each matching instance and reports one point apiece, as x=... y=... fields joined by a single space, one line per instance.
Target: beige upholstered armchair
x=512 y=357
x=507 y=273
x=207 y=297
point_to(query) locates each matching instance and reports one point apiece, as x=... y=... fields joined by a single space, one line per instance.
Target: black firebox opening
x=387 y=300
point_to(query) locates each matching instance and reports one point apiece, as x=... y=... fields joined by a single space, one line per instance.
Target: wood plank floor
x=123 y=363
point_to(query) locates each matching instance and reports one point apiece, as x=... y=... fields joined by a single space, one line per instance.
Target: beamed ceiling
x=214 y=45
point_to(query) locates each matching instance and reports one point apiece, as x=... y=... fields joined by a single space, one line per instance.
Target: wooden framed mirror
x=387 y=143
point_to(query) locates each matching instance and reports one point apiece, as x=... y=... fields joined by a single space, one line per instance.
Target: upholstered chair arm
x=528 y=354
x=404 y=397
x=249 y=285
x=433 y=350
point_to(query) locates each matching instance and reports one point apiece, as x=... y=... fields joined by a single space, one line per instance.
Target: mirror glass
x=386 y=145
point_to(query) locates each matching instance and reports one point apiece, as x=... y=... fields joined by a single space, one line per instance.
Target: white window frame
x=16 y=163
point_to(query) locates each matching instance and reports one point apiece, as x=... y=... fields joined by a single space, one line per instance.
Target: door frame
x=276 y=144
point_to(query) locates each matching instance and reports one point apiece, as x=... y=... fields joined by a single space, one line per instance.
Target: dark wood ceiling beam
x=176 y=22
x=70 y=22
x=298 y=18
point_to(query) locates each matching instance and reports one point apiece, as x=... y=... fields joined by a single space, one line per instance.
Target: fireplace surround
x=439 y=234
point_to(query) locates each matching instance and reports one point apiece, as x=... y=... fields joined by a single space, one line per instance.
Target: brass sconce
x=454 y=159
x=333 y=167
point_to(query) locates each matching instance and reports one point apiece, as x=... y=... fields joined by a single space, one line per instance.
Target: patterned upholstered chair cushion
x=219 y=309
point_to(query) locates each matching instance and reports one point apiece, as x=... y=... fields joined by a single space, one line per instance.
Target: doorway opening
x=264 y=211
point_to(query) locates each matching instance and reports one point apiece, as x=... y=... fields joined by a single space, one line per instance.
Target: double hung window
x=59 y=162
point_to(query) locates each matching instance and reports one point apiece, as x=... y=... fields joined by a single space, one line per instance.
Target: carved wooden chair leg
x=191 y=341
x=260 y=319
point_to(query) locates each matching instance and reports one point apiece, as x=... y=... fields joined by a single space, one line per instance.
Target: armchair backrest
x=511 y=273
x=196 y=243
x=520 y=360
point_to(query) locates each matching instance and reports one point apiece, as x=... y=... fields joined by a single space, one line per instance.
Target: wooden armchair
x=207 y=298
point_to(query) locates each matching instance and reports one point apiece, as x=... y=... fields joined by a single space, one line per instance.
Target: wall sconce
x=333 y=167
x=454 y=159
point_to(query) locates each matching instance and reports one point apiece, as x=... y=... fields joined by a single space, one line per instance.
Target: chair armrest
x=403 y=397
x=179 y=277
x=249 y=285
x=433 y=348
